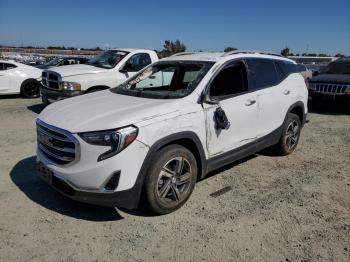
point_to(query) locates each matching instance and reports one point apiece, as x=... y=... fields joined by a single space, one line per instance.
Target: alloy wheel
x=292 y=134
x=31 y=89
x=174 y=180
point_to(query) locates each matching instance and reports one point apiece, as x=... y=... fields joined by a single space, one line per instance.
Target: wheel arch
x=26 y=81
x=298 y=108
x=187 y=139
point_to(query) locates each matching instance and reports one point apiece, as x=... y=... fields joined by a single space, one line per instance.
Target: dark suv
x=333 y=82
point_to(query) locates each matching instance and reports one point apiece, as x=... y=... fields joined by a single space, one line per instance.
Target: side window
x=6 y=66
x=262 y=72
x=137 y=62
x=1 y=66
x=285 y=68
x=231 y=80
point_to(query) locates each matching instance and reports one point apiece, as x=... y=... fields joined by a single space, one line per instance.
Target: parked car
x=104 y=71
x=168 y=126
x=305 y=72
x=60 y=61
x=314 y=68
x=333 y=83
x=18 y=78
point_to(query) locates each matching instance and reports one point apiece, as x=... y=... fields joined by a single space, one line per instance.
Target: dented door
x=242 y=113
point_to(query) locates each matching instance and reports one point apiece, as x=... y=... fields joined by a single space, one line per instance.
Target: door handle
x=286 y=92
x=250 y=102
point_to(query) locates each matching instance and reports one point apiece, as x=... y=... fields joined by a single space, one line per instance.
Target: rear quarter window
x=286 y=68
x=262 y=73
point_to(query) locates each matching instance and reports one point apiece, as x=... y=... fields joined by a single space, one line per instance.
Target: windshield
x=165 y=80
x=338 y=67
x=54 y=61
x=107 y=59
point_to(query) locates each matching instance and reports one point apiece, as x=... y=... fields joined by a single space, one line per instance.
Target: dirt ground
x=294 y=208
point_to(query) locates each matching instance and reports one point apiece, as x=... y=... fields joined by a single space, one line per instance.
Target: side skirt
x=244 y=151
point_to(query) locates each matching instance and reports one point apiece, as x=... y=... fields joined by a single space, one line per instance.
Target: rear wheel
x=171 y=179
x=290 y=134
x=30 y=89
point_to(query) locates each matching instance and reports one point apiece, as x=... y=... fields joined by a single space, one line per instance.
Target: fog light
x=113 y=182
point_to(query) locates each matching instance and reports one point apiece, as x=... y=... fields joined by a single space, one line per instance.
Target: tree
x=170 y=48
x=229 y=49
x=339 y=55
x=285 y=51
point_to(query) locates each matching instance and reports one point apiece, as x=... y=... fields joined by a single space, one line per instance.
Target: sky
x=304 y=26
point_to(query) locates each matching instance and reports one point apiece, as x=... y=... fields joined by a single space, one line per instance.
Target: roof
x=132 y=49
x=221 y=56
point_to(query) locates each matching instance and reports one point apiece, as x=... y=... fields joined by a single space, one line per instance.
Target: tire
x=290 y=135
x=45 y=100
x=166 y=190
x=30 y=89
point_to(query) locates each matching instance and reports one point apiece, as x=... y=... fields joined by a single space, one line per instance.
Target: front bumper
x=52 y=95
x=126 y=198
x=86 y=179
x=342 y=98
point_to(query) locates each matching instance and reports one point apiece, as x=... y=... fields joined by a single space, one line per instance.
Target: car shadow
x=228 y=166
x=10 y=96
x=36 y=108
x=24 y=176
x=329 y=107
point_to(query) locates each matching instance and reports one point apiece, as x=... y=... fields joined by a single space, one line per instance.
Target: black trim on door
x=244 y=151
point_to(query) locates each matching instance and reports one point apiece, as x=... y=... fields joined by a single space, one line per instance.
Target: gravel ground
x=294 y=208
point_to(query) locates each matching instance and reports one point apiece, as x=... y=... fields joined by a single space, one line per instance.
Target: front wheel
x=170 y=179
x=30 y=89
x=290 y=135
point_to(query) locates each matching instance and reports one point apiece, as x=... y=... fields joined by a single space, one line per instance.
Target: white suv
x=165 y=128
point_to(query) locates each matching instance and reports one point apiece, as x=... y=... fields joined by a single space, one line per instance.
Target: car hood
x=331 y=78
x=73 y=70
x=104 y=110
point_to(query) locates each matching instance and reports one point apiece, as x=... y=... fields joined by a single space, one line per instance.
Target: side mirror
x=123 y=70
x=206 y=99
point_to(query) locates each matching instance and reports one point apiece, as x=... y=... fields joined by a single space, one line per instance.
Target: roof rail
x=185 y=53
x=248 y=52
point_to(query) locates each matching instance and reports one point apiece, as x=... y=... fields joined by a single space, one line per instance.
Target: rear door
x=230 y=88
x=272 y=94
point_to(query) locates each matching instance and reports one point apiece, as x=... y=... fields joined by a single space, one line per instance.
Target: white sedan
x=17 y=78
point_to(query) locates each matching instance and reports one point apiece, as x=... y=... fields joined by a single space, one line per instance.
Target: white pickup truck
x=106 y=70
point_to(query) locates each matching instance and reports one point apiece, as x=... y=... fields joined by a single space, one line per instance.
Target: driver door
x=229 y=90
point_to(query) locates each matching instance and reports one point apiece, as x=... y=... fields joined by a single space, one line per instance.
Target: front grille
x=334 y=89
x=57 y=145
x=51 y=79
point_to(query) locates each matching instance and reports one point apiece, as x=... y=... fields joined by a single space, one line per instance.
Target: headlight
x=71 y=86
x=116 y=139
